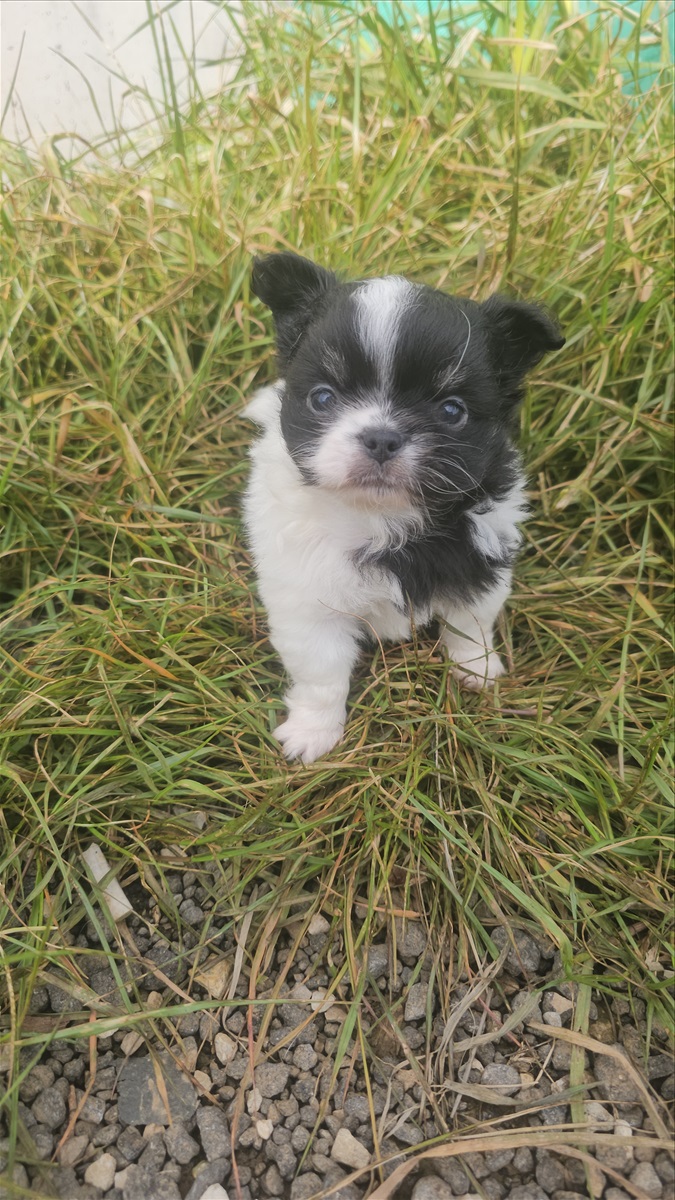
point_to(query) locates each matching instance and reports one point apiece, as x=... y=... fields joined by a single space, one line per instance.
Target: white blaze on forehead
x=380 y=306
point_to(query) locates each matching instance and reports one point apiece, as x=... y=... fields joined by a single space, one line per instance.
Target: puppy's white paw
x=480 y=673
x=308 y=735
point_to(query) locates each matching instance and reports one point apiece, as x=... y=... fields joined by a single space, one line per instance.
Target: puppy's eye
x=454 y=412
x=320 y=399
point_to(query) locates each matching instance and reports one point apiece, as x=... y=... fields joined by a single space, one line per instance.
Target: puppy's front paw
x=480 y=673
x=308 y=735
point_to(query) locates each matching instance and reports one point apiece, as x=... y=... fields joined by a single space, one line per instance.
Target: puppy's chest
x=347 y=566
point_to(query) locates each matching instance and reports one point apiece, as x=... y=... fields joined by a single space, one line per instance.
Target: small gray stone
x=271 y=1079
x=284 y=1157
x=73 y=1150
x=524 y=957
x=303 y=1089
x=180 y=1146
x=527 y=1191
x=549 y=1173
x=101 y=1172
x=357 y=1106
x=104 y=984
x=305 y=1186
x=36 y=1081
x=453 y=1173
x=154 y=1155
x=64 y=1182
x=191 y=913
x=188 y=1025
x=106 y=1135
x=555 y=1114
x=208 y=1027
x=616 y=1083
x=60 y=1001
x=349 y=1151
x=416 y=1002
x=43 y=1141
x=74 y=1071
x=169 y=963
x=378 y=960
x=502 y=1077
x=305 y=1057
x=411 y=938
x=496 y=1160
x=214 y=1133
x=50 y=1108
x=300 y=1138
x=272 y=1181
x=413 y=1036
x=408 y=1134
x=213 y=1172
x=659 y=1066
x=493 y=1188
x=39 y=1000
x=19 y=1178
x=618 y=1157
x=523 y=1160
x=139 y=1099
x=476 y=1164
x=140 y=1184
x=615 y=1193
x=645 y=1177
x=562 y=1056
x=430 y=1187
x=665 y=1167
x=93 y=1110
x=131 y=1144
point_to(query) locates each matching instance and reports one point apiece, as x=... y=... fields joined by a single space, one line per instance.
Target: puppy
x=385 y=489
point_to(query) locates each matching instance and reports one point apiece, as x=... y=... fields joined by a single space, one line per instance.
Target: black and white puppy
x=385 y=488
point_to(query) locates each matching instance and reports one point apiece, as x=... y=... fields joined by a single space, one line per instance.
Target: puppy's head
x=394 y=391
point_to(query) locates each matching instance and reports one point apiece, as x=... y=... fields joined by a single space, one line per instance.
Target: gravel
x=416 y=1002
x=303 y=1122
x=101 y=1173
x=140 y=1100
x=349 y=1151
x=645 y=1177
x=432 y=1188
x=50 y=1108
x=214 y=1133
x=502 y=1077
x=180 y=1146
x=271 y=1079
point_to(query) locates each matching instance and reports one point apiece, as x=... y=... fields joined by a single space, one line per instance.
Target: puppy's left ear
x=292 y=287
x=519 y=335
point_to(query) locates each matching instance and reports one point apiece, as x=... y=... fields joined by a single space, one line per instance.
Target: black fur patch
x=442 y=562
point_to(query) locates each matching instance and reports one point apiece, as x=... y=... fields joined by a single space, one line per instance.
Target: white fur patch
x=495 y=527
x=381 y=304
x=339 y=459
x=265 y=405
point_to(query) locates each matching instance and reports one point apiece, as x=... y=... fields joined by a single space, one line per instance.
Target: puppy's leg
x=318 y=652
x=467 y=632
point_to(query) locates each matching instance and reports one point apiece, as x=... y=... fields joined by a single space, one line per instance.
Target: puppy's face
x=395 y=392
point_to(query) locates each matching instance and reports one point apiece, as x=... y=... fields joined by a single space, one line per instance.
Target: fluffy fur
x=385 y=487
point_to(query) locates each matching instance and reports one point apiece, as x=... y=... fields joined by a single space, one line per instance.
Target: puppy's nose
x=381 y=444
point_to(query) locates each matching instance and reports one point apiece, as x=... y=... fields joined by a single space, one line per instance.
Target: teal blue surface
x=654 y=56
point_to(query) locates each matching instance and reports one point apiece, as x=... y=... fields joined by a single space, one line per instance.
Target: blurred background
x=93 y=65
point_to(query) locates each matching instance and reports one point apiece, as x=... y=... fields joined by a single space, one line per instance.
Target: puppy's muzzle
x=381 y=444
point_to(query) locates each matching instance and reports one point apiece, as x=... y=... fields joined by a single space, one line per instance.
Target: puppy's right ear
x=291 y=287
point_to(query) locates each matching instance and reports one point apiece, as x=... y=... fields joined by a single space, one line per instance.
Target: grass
x=137 y=683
